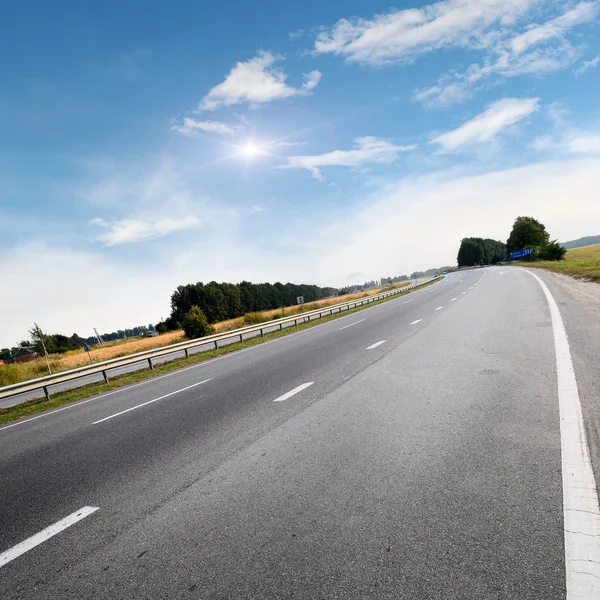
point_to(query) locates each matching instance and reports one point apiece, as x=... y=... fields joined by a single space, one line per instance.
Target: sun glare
x=251 y=150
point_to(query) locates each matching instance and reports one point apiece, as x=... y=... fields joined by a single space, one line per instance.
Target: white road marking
x=453 y=299
x=463 y=292
x=45 y=534
x=376 y=344
x=150 y=402
x=408 y=301
x=293 y=392
x=471 y=287
x=462 y=281
x=580 y=499
x=417 y=321
x=439 y=308
x=355 y=323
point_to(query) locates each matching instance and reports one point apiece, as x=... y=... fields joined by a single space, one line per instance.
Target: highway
x=410 y=450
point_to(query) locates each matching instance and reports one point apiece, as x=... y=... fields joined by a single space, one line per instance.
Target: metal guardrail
x=43 y=383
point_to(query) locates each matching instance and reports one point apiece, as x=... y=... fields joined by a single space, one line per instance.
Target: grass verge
x=580 y=263
x=118 y=381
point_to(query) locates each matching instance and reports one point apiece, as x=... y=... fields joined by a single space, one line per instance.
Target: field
x=76 y=358
x=581 y=263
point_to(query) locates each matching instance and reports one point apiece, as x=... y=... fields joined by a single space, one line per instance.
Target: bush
x=254 y=318
x=195 y=324
x=552 y=251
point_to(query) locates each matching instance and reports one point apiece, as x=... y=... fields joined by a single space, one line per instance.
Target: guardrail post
x=150 y=364
x=46 y=393
x=241 y=338
x=280 y=326
x=261 y=333
x=216 y=345
x=105 y=376
x=187 y=354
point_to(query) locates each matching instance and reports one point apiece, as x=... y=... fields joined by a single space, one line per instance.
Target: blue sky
x=147 y=145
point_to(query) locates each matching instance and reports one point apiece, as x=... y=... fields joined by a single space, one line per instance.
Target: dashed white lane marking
x=439 y=308
x=462 y=281
x=376 y=344
x=351 y=324
x=408 y=301
x=453 y=299
x=150 y=402
x=580 y=498
x=463 y=293
x=417 y=321
x=293 y=392
x=471 y=287
x=45 y=534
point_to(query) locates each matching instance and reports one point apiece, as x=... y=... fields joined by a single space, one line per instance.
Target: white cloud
x=570 y=141
x=255 y=81
x=255 y=208
x=311 y=80
x=588 y=64
x=368 y=150
x=541 y=49
x=583 y=12
x=150 y=201
x=403 y=34
x=296 y=35
x=191 y=125
x=139 y=229
x=487 y=125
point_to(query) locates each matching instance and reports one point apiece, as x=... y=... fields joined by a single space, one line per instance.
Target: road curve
x=412 y=450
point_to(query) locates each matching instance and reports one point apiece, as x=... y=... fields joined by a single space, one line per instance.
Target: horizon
x=326 y=144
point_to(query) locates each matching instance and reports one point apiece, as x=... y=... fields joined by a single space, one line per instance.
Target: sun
x=251 y=150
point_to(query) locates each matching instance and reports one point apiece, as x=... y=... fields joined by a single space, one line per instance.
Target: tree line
x=221 y=301
x=527 y=233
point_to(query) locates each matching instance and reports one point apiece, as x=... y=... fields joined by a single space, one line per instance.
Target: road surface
x=411 y=450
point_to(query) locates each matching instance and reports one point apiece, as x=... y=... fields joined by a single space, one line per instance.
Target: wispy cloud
x=296 y=35
x=588 y=64
x=217 y=127
x=403 y=34
x=256 y=81
x=367 y=150
x=542 y=48
x=147 y=202
x=127 y=231
x=127 y=66
x=487 y=125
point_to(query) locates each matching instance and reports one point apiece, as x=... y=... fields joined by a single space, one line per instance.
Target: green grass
x=92 y=389
x=580 y=263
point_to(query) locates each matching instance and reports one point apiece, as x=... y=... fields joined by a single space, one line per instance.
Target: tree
x=195 y=324
x=40 y=339
x=527 y=231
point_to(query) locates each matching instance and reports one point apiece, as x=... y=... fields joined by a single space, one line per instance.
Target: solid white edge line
x=376 y=344
x=351 y=324
x=417 y=321
x=408 y=301
x=580 y=499
x=293 y=392
x=45 y=534
x=150 y=402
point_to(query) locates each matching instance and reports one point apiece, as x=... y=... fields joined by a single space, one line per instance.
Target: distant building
x=25 y=355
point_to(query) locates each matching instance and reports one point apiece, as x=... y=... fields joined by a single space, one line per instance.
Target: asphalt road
x=411 y=450
x=19 y=398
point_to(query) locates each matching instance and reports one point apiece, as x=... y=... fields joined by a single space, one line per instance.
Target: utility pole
x=100 y=340
x=46 y=355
